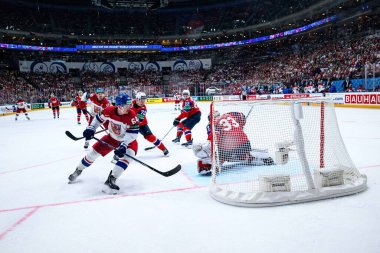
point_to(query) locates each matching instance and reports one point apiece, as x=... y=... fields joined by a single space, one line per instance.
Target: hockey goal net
x=277 y=152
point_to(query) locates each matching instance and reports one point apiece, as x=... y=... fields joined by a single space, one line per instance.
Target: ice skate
x=109 y=186
x=74 y=176
x=188 y=144
x=176 y=140
x=166 y=152
x=28 y=118
x=268 y=161
x=79 y=123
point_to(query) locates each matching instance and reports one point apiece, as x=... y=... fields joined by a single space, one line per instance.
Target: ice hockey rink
x=40 y=212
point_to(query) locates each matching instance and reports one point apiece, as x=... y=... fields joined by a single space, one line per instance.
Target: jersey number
x=228 y=123
x=134 y=120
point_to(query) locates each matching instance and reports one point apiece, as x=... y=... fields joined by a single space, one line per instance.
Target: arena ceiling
x=111 y=4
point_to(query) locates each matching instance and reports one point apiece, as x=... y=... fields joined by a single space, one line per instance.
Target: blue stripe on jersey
x=157 y=142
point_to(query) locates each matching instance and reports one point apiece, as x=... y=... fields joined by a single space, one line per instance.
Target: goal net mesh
x=274 y=152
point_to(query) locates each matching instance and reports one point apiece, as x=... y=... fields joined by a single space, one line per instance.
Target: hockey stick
x=249 y=112
x=101 y=126
x=149 y=148
x=71 y=136
x=165 y=174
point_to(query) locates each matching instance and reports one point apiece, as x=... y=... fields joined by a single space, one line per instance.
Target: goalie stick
x=149 y=148
x=71 y=136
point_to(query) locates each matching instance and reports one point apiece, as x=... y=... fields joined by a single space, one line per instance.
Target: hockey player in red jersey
x=141 y=110
x=54 y=104
x=233 y=143
x=81 y=105
x=98 y=103
x=123 y=127
x=21 y=108
x=191 y=112
x=177 y=100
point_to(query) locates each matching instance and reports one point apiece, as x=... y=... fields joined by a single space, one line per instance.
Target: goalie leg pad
x=202 y=150
x=203 y=168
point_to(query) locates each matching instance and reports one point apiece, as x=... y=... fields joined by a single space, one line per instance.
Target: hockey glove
x=89 y=133
x=121 y=150
x=176 y=122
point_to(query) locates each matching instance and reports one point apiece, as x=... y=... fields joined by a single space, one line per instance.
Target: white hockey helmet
x=140 y=95
x=185 y=93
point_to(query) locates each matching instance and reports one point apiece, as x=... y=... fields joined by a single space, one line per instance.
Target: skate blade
x=109 y=191
x=74 y=182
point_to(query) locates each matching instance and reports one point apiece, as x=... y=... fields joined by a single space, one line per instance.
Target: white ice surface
x=40 y=212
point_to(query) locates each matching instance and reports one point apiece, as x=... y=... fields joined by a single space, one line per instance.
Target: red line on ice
x=26 y=216
x=100 y=199
x=38 y=165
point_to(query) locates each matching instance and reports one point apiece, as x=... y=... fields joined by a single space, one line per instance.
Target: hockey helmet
x=216 y=114
x=99 y=90
x=140 y=95
x=123 y=99
x=185 y=93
